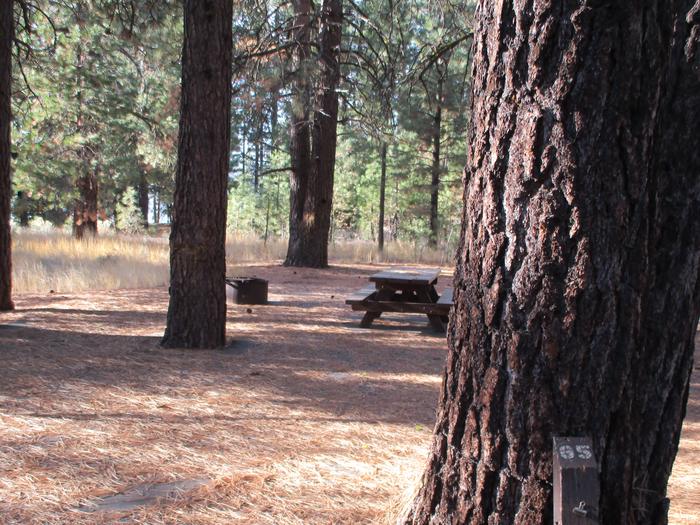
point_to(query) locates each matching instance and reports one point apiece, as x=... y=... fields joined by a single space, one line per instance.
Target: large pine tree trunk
x=312 y=175
x=300 y=134
x=197 y=310
x=324 y=135
x=576 y=290
x=6 y=38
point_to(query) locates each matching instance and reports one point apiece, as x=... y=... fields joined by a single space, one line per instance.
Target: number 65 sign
x=575 y=481
x=568 y=452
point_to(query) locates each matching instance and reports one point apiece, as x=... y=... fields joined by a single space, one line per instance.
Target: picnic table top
x=414 y=276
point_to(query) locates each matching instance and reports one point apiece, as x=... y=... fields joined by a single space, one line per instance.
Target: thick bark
x=300 y=132
x=576 y=290
x=382 y=196
x=197 y=310
x=324 y=136
x=85 y=206
x=435 y=168
x=6 y=38
x=313 y=148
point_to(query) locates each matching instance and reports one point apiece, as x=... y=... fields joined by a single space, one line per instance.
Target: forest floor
x=303 y=419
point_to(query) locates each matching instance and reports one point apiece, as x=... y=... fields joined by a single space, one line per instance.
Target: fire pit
x=246 y=290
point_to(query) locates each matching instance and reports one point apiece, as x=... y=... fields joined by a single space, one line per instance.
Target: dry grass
x=56 y=261
x=397 y=252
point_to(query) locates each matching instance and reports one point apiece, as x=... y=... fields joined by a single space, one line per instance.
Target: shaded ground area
x=304 y=419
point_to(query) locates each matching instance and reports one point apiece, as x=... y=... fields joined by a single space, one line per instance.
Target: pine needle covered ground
x=304 y=419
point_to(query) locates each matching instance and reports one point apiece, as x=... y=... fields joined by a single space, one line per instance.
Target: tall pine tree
x=197 y=310
x=577 y=288
x=6 y=40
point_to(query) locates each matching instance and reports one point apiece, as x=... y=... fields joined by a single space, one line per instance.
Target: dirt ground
x=304 y=419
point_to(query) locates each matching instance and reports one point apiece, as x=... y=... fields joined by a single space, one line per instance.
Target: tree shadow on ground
x=357 y=378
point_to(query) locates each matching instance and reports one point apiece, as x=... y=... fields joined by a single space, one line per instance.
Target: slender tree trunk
x=85 y=207
x=156 y=207
x=6 y=39
x=313 y=163
x=143 y=198
x=435 y=168
x=23 y=213
x=197 y=310
x=267 y=221
x=256 y=165
x=244 y=150
x=382 y=197
x=274 y=118
x=576 y=291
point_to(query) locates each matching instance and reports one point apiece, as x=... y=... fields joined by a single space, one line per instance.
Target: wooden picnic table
x=407 y=290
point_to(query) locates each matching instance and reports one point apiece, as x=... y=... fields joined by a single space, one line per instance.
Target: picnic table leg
x=430 y=295
x=382 y=294
x=369 y=318
x=437 y=323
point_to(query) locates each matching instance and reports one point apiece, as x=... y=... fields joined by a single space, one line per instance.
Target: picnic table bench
x=405 y=290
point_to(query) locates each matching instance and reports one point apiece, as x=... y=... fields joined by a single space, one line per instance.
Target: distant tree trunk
x=244 y=150
x=6 y=39
x=24 y=214
x=577 y=289
x=197 y=310
x=382 y=196
x=156 y=207
x=143 y=198
x=313 y=149
x=259 y=148
x=435 y=168
x=256 y=166
x=85 y=207
x=274 y=118
x=85 y=204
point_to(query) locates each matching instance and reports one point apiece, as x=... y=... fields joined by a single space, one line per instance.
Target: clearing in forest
x=305 y=419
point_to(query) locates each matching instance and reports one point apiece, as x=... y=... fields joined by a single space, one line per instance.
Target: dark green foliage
x=102 y=95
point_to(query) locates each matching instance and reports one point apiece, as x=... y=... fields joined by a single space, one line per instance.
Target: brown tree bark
x=313 y=143
x=576 y=291
x=300 y=131
x=197 y=309
x=85 y=206
x=6 y=39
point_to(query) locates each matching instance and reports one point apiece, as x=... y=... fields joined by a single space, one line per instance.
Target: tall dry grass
x=44 y=261
x=56 y=261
